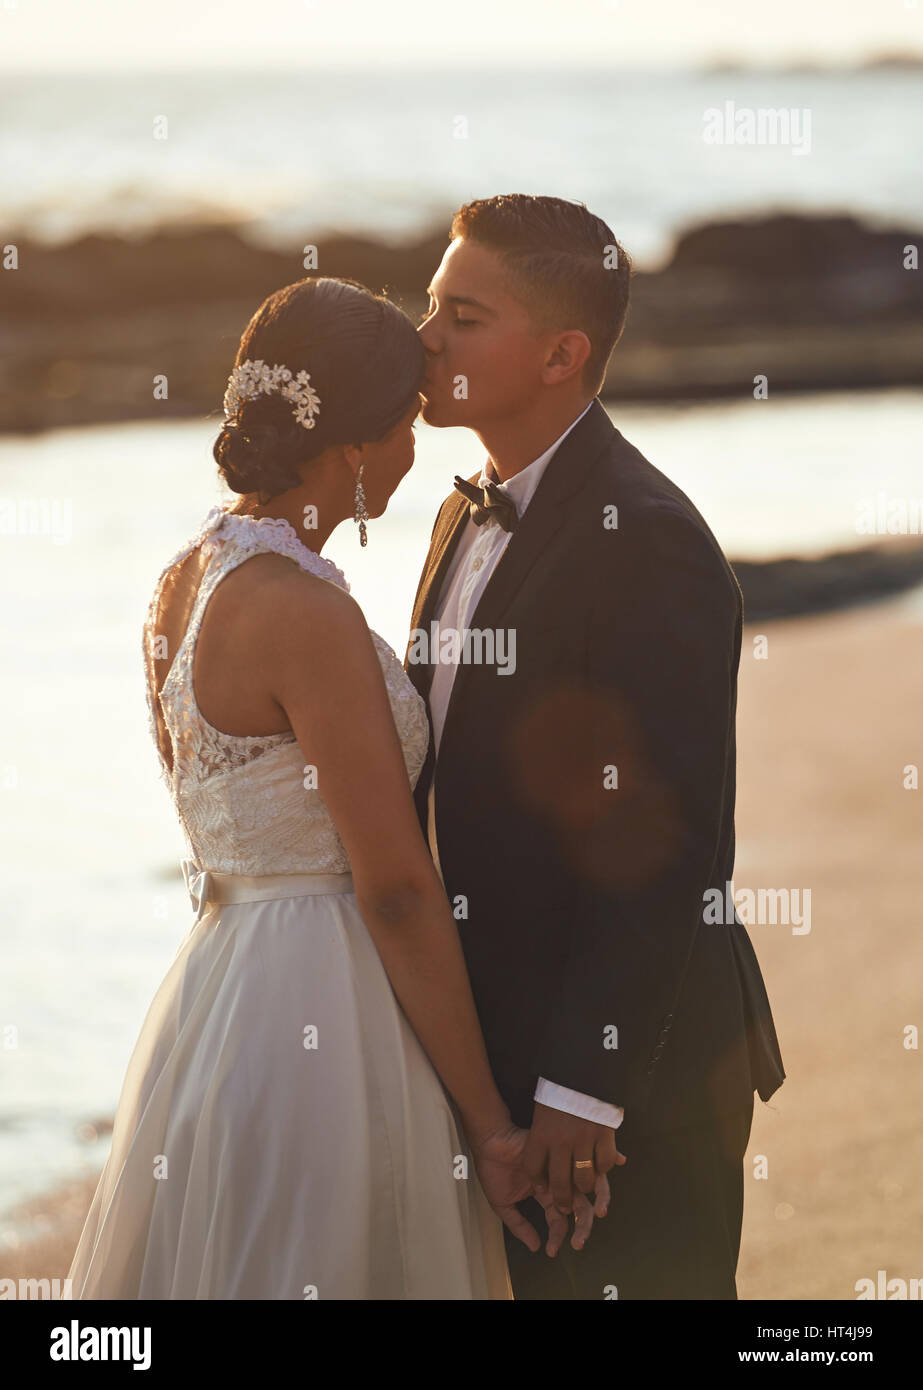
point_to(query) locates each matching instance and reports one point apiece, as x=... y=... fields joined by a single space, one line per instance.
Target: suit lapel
x=452 y=520
x=545 y=514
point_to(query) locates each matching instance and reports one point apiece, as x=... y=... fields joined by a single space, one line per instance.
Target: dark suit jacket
x=585 y=800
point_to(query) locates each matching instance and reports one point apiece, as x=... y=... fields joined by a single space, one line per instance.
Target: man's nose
x=428 y=336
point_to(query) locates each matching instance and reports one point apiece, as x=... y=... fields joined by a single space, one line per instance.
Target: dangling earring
x=360 y=514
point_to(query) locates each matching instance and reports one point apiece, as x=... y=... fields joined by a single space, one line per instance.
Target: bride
x=308 y=1111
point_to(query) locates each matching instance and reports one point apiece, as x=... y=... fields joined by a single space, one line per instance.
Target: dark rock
x=796 y=586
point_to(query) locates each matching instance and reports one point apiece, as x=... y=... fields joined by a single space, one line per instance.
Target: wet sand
x=825 y=727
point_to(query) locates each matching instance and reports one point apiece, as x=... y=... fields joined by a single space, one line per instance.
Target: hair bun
x=253 y=461
x=235 y=456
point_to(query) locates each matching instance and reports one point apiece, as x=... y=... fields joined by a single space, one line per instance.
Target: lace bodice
x=242 y=801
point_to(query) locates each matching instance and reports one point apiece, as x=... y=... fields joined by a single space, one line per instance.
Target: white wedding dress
x=280 y=1133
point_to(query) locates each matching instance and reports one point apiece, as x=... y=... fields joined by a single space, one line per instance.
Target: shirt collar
x=521 y=487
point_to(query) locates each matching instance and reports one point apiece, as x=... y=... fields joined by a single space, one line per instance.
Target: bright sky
x=78 y=34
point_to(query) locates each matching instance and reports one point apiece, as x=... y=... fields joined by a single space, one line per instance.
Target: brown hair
x=558 y=255
x=366 y=363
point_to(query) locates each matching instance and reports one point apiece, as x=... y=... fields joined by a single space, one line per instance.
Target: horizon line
x=720 y=63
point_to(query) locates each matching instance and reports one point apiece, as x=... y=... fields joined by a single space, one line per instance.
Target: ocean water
x=93 y=906
x=393 y=153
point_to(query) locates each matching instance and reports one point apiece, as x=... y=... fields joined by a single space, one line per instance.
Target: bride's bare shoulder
x=294 y=623
x=273 y=594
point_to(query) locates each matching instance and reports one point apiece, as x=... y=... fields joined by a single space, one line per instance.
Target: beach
x=826 y=724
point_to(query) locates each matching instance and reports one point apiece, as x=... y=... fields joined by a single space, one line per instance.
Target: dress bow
x=199 y=882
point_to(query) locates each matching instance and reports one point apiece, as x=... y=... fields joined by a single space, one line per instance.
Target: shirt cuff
x=575 y=1103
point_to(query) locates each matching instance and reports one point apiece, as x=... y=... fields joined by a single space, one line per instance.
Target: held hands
x=570 y=1157
x=514 y=1163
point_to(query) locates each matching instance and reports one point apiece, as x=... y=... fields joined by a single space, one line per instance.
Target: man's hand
x=556 y=1141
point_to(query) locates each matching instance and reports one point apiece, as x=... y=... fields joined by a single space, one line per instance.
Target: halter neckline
x=283 y=531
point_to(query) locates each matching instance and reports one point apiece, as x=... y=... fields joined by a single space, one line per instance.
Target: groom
x=579 y=792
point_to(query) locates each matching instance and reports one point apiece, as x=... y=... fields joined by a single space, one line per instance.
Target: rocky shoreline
x=796 y=586
x=810 y=303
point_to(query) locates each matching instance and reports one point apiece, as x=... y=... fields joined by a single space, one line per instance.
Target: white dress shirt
x=472 y=564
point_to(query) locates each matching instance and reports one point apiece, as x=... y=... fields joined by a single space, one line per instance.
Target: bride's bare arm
x=320 y=664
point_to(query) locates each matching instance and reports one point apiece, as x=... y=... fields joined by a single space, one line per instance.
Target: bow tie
x=488 y=502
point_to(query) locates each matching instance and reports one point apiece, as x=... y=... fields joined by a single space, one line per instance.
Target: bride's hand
x=497 y=1157
x=584 y=1214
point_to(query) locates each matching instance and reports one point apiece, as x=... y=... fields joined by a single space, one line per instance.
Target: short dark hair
x=561 y=263
x=365 y=360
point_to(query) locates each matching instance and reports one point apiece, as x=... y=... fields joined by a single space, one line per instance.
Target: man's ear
x=567 y=357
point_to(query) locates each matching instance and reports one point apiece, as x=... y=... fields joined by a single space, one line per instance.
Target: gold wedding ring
x=583 y=1163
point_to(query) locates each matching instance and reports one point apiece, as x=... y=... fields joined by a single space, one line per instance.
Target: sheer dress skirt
x=281 y=1134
